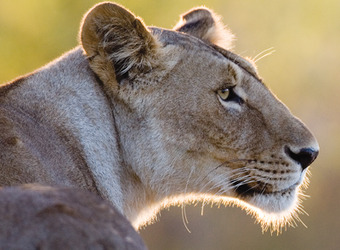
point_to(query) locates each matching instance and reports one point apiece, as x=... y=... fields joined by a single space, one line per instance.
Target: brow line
x=235 y=59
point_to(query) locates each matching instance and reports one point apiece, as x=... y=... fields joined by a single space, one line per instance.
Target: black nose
x=304 y=157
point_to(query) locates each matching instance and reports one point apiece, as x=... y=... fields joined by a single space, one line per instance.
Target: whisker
x=251 y=188
x=185 y=218
x=263 y=54
x=235 y=175
x=184 y=213
x=223 y=181
x=202 y=208
x=240 y=182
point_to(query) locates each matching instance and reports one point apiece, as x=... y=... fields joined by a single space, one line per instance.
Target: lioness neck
x=72 y=110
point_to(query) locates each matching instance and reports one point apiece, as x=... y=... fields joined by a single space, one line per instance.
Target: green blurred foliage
x=303 y=72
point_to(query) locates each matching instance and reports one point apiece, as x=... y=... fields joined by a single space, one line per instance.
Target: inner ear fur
x=204 y=24
x=116 y=41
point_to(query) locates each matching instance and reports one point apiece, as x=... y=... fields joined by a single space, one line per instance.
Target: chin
x=273 y=203
x=274 y=211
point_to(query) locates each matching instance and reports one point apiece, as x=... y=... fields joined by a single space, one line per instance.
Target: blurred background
x=304 y=72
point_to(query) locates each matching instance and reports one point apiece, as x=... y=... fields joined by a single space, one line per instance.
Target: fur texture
x=138 y=117
x=62 y=218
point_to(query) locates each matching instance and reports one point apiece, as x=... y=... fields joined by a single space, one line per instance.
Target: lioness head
x=195 y=120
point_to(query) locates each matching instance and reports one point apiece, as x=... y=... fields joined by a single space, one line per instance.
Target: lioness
x=149 y=117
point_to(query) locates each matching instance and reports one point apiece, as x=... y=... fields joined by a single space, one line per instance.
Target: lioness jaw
x=149 y=117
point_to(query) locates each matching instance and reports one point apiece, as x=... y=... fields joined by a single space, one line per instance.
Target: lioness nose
x=304 y=157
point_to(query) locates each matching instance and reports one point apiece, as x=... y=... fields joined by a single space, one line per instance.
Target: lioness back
x=38 y=217
x=150 y=117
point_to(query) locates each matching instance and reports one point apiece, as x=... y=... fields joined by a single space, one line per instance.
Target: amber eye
x=229 y=95
x=224 y=94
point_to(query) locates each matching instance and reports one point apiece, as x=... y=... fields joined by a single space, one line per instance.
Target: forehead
x=169 y=37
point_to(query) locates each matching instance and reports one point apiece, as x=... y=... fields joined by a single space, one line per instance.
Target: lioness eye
x=223 y=94
x=229 y=95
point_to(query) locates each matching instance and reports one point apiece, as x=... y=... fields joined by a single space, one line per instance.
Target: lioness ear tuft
x=206 y=25
x=116 y=41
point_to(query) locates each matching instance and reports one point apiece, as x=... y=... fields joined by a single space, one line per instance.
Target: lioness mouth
x=246 y=190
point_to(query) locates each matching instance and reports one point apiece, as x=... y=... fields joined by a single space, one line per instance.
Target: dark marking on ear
x=205 y=25
x=122 y=77
x=116 y=41
x=197 y=23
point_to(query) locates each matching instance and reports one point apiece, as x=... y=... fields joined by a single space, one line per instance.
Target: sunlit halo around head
x=269 y=221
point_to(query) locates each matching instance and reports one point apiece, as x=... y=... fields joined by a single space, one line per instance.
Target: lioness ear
x=206 y=25
x=115 y=41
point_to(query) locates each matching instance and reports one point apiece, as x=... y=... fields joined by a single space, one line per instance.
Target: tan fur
x=138 y=120
x=39 y=217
